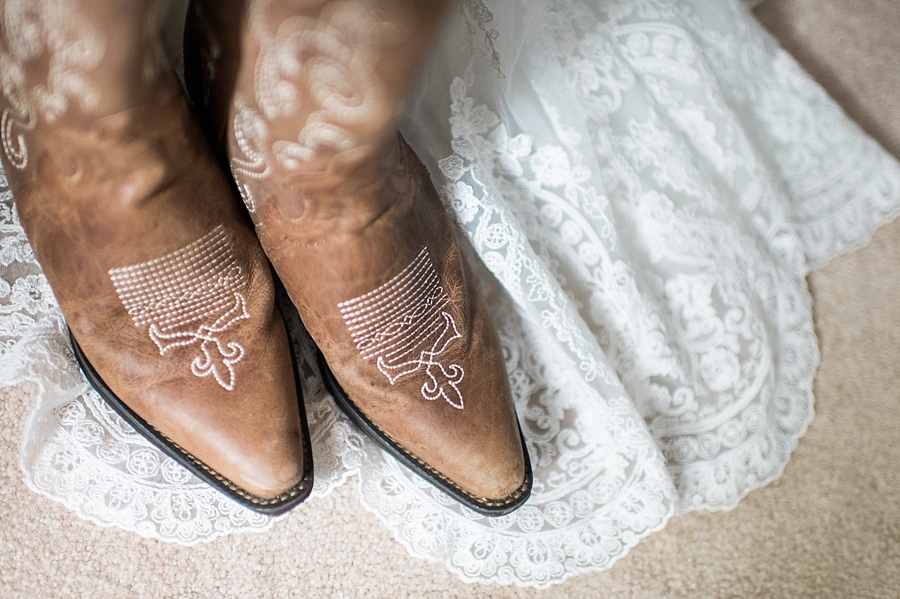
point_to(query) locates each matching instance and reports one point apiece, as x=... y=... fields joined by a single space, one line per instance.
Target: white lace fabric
x=642 y=186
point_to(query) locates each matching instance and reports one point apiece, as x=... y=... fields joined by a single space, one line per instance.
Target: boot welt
x=483 y=505
x=273 y=506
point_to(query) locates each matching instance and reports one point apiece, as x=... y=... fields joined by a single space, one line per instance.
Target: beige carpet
x=829 y=528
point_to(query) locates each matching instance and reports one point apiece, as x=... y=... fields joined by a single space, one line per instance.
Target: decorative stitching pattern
x=172 y=295
x=327 y=61
x=404 y=325
x=14 y=145
x=52 y=33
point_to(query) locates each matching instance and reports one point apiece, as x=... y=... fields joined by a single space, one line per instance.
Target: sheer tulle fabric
x=643 y=186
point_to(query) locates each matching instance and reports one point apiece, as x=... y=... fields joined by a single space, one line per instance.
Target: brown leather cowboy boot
x=306 y=101
x=164 y=286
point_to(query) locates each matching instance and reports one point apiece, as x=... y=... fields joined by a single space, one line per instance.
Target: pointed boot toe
x=425 y=378
x=169 y=297
x=409 y=348
x=247 y=438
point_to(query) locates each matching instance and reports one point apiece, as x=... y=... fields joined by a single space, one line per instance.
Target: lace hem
x=871 y=202
x=538 y=559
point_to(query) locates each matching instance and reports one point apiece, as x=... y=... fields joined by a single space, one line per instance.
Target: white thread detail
x=251 y=133
x=178 y=294
x=403 y=324
x=246 y=196
x=14 y=146
x=328 y=61
x=53 y=38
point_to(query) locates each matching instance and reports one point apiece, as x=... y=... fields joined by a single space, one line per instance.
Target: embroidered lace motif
x=175 y=294
x=405 y=326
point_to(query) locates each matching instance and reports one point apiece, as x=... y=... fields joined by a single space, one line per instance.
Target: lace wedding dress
x=643 y=186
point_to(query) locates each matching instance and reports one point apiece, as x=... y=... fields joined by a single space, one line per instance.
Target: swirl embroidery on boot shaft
x=251 y=134
x=323 y=66
x=190 y=296
x=404 y=325
x=51 y=36
x=14 y=145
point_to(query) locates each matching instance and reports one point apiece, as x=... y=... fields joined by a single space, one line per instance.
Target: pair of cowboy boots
x=165 y=282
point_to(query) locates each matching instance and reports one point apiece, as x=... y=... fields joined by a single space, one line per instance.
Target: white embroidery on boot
x=246 y=196
x=403 y=324
x=52 y=36
x=251 y=134
x=328 y=62
x=177 y=296
x=14 y=145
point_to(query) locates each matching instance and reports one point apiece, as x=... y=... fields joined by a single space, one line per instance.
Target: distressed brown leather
x=130 y=188
x=346 y=224
x=324 y=260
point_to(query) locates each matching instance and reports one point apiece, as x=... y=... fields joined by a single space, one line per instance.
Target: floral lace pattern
x=641 y=203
